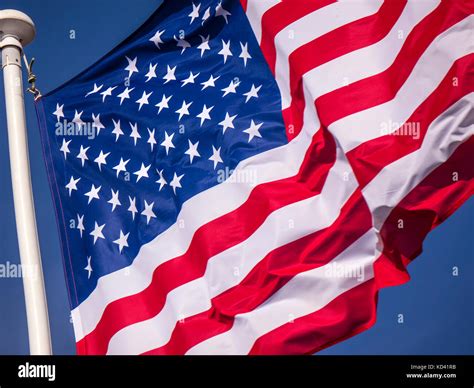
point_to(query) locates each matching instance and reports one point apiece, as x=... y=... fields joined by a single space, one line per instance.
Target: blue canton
x=167 y=114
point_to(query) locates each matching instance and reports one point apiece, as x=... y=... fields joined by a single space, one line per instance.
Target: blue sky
x=438 y=307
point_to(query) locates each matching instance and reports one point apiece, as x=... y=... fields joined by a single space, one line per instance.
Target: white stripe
x=369 y=60
x=310 y=27
x=310 y=291
x=255 y=11
x=307 y=292
x=306 y=217
x=444 y=135
x=429 y=71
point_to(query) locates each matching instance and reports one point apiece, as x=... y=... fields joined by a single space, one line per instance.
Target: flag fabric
x=243 y=177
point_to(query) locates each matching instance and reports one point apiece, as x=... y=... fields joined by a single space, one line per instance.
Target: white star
x=204 y=115
x=59 y=112
x=131 y=67
x=204 y=45
x=231 y=88
x=162 y=180
x=192 y=151
x=122 y=166
x=143 y=172
x=125 y=94
x=148 y=212
x=117 y=130
x=245 y=53
x=88 y=268
x=114 y=201
x=210 y=82
x=227 y=122
x=143 y=100
x=100 y=160
x=151 y=140
x=253 y=130
x=184 y=110
x=216 y=156
x=122 y=240
x=77 y=118
x=190 y=79
x=168 y=142
x=94 y=90
x=182 y=43
x=163 y=103
x=169 y=74
x=107 y=93
x=195 y=13
x=156 y=39
x=225 y=52
x=80 y=224
x=93 y=193
x=72 y=185
x=83 y=155
x=253 y=92
x=151 y=72
x=207 y=14
x=135 y=135
x=222 y=12
x=96 y=123
x=176 y=182
x=133 y=207
x=65 y=148
x=97 y=232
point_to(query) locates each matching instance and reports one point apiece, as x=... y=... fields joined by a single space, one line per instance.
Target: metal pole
x=16 y=31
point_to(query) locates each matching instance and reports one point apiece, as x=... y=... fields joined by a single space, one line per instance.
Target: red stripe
x=430 y=203
x=345 y=39
x=243 y=3
x=279 y=17
x=270 y=274
x=383 y=87
x=211 y=239
x=370 y=157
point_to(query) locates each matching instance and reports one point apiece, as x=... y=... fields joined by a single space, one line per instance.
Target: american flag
x=243 y=177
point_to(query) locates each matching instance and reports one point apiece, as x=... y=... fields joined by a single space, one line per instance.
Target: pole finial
x=16 y=24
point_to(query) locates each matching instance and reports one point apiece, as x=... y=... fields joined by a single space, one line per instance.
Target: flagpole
x=16 y=31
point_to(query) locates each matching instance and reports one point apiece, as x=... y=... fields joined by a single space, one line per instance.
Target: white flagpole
x=16 y=31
